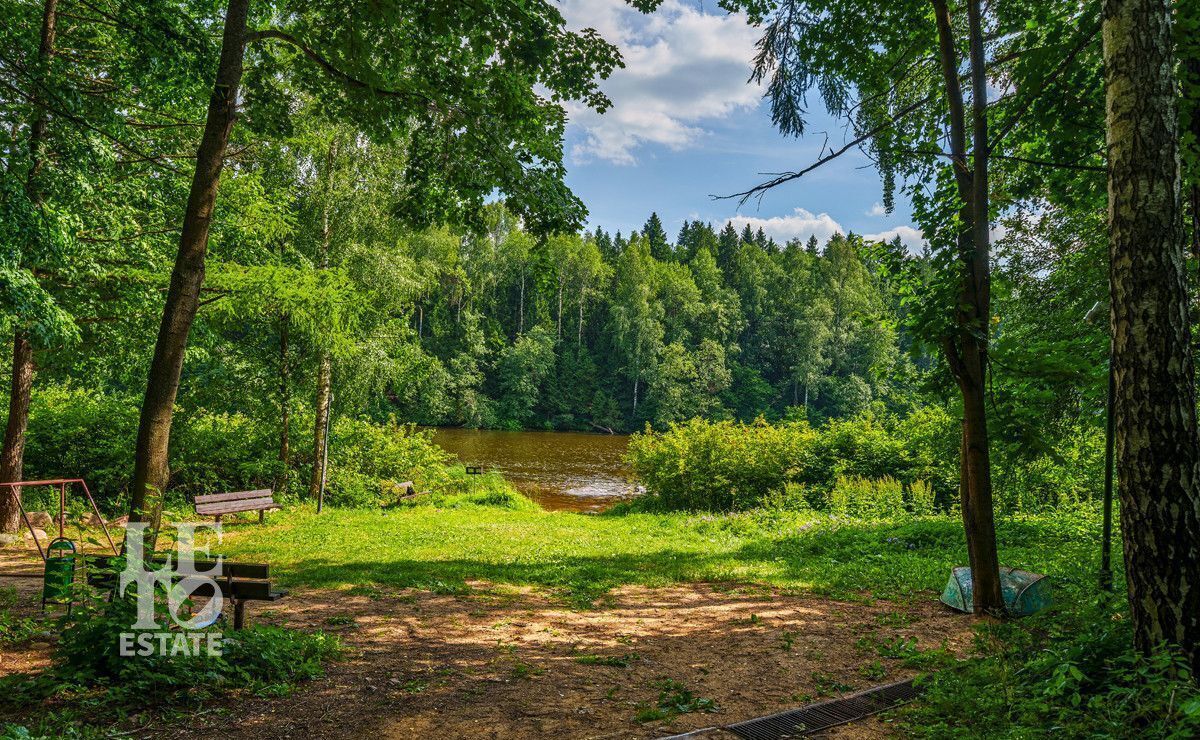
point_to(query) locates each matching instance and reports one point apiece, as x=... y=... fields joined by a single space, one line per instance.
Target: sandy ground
x=507 y=662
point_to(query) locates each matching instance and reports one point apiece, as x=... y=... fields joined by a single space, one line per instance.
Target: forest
x=273 y=247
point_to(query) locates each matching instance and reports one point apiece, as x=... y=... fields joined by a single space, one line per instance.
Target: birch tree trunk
x=285 y=404
x=325 y=367
x=1157 y=446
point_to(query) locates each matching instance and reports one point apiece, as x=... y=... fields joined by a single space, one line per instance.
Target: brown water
x=562 y=471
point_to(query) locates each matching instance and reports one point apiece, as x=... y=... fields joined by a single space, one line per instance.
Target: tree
x=637 y=329
x=73 y=191
x=13 y=453
x=905 y=101
x=521 y=371
x=1157 y=444
x=656 y=237
x=439 y=84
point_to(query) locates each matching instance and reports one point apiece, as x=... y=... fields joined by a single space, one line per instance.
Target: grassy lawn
x=440 y=547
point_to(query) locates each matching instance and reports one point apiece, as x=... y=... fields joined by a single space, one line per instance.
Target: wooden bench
x=239 y=582
x=219 y=504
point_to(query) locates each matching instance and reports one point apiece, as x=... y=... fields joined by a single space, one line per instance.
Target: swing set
x=59 y=556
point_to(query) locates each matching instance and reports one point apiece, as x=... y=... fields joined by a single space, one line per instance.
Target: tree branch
x=329 y=68
x=785 y=177
x=1085 y=40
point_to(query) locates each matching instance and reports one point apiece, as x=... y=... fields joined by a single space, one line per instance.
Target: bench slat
x=243 y=590
x=230 y=507
x=213 y=498
x=257 y=571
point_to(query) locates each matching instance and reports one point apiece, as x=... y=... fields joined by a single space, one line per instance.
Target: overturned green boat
x=1024 y=593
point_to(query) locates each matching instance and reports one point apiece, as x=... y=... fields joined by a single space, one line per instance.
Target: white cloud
x=802 y=224
x=682 y=68
x=910 y=237
x=876 y=210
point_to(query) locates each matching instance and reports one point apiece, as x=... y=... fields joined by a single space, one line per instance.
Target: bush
x=89 y=668
x=1061 y=675
x=368 y=460
x=720 y=465
x=866 y=498
x=73 y=432
x=728 y=466
x=921 y=498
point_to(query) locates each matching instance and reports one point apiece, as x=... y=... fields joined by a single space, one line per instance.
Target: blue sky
x=685 y=125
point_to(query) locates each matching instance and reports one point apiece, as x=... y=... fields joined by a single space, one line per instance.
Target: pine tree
x=656 y=238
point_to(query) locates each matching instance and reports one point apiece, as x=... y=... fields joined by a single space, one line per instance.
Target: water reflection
x=563 y=471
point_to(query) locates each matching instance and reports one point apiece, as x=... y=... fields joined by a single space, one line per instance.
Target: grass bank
x=445 y=543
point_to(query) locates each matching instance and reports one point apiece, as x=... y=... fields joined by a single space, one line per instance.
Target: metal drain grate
x=814 y=718
x=826 y=714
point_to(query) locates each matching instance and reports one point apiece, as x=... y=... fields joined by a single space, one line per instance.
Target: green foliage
x=866 y=466
x=733 y=466
x=1074 y=672
x=674 y=698
x=89 y=669
x=367 y=461
x=866 y=498
x=73 y=431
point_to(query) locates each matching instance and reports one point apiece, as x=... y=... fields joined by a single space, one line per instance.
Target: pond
x=562 y=471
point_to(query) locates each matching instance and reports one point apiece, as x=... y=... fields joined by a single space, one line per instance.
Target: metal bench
x=219 y=504
x=239 y=582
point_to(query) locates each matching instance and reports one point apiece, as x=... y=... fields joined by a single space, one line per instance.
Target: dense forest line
x=609 y=332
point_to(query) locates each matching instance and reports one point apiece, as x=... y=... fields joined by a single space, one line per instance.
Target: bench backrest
x=228 y=503
x=240 y=496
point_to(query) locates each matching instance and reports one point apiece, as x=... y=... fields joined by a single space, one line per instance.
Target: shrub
x=865 y=498
x=720 y=465
x=88 y=666
x=728 y=466
x=75 y=432
x=921 y=498
x=367 y=461
x=1063 y=675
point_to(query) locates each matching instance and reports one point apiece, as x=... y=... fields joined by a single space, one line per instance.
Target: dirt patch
x=20 y=600
x=502 y=662
x=506 y=662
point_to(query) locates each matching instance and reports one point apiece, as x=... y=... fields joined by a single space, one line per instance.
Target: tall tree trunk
x=325 y=367
x=521 y=305
x=187 y=277
x=12 y=456
x=560 y=307
x=579 y=331
x=1157 y=445
x=1191 y=87
x=966 y=352
x=285 y=404
x=324 y=390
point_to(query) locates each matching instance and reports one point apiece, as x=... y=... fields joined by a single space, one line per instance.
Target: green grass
x=441 y=545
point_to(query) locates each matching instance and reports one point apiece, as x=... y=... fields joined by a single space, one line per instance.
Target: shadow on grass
x=848 y=560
